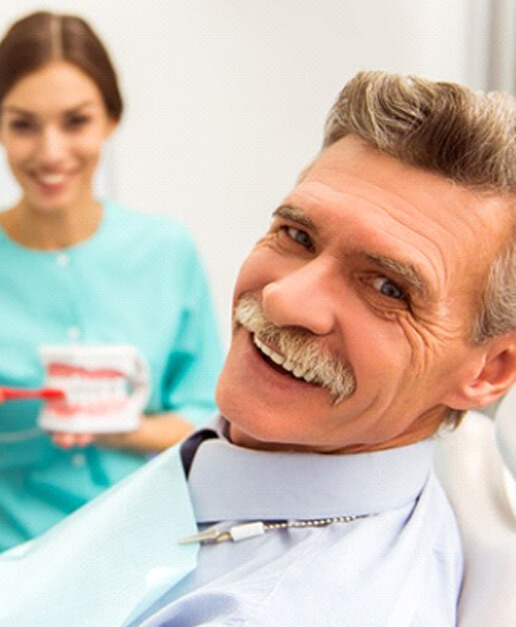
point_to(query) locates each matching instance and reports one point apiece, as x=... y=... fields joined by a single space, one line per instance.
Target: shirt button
x=63 y=260
x=79 y=460
x=74 y=333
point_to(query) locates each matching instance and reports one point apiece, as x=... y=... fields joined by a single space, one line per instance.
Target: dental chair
x=476 y=464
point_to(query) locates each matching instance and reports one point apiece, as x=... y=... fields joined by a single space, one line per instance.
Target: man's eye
x=389 y=289
x=300 y=237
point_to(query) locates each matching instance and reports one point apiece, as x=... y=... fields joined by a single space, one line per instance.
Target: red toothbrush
x=15 y=394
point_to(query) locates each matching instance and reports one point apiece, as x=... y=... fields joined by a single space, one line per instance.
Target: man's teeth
x=51 y=179
x=298 y=371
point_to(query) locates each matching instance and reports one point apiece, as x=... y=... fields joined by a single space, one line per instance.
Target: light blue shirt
x=118 y=561
x=138 y=280
x=400 y=565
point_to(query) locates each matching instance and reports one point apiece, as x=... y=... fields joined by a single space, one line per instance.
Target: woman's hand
x=155 y=433
x=69 y=440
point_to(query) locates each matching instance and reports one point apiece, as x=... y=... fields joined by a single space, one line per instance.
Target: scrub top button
x=74 y=333
x=63 y=260
x=79 y=460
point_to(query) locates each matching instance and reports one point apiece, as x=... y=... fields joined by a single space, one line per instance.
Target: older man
x=380 y=305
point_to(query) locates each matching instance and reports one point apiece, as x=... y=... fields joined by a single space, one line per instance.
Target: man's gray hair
x=469 y=137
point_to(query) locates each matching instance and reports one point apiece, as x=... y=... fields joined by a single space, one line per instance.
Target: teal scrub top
x=138 y=280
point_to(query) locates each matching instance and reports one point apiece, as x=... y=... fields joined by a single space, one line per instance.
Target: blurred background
x=226 y=99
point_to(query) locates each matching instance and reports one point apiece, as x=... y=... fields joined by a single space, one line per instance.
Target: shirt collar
x=229 y=482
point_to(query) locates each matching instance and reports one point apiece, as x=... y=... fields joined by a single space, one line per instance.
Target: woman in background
x=76 y=269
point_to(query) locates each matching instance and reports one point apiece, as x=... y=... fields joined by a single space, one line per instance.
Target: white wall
x=226 y=99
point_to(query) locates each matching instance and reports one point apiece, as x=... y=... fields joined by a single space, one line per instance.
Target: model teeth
x=296 y=370
x=51 y=179
x=86 y=390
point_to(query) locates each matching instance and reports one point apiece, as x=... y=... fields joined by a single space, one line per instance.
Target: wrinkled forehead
x=351 y=167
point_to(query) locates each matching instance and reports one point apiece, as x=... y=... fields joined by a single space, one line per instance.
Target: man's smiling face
x=375 y=268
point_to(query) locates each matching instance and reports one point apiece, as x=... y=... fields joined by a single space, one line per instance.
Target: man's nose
x=302 y=299
x=52 y=146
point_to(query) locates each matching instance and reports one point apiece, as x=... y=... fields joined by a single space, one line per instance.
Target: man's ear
x=495 y=374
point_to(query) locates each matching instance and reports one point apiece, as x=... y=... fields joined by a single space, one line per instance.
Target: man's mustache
x=300 y=347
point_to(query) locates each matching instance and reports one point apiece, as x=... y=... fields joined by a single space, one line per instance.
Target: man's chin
x=241 y=438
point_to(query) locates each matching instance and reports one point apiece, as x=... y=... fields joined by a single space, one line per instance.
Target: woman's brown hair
x=42 y=37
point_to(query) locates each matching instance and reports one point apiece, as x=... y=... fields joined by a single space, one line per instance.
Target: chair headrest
x=505 y=430
x=505 y=435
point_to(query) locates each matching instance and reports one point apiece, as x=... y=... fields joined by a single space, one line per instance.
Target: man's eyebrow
x=406 y=270
x=296 y=215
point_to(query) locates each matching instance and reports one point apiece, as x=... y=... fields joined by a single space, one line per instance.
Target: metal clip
x=208 y=536
x=213 y=535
